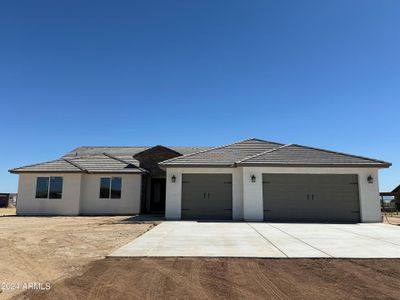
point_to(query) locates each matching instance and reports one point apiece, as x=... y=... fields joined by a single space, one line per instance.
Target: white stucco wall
x=369 y=196
x=27 y=204
x=253 y=206
x=248 y=197
x=92 y=204
x=173 y=198
x=237 y=194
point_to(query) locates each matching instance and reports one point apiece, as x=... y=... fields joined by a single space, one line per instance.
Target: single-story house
x=251 y=180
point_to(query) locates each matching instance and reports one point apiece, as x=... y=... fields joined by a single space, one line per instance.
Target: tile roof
x=224 y=155
x=125 y=151
x=259 y=152
x=98 y=160
x=244 y=153
x=302 y=155
x=104 y=163
x=58 y=165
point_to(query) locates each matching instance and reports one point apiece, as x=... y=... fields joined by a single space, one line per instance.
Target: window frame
x=56 y=192
x=110 y=183
x=44 y=178
x=48 y=194
x=108 y=188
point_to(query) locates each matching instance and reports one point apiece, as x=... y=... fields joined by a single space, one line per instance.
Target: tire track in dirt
x=25 y=265
x=241 y=283
x=265 y=283
x=226 y=278
x=192 y=289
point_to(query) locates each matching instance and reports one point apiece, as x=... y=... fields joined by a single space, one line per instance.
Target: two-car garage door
x=311 y=197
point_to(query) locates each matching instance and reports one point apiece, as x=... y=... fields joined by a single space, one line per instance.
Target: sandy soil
x=40 y=249
x=68 y=252
x=219 y=278
x=9 y=211
x=391 y=218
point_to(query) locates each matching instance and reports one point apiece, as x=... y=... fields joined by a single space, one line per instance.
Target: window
x=110 y=187
x=56 y=185
x=104 y=187
x=116 y=184
x=49 y=187
x=42 y=187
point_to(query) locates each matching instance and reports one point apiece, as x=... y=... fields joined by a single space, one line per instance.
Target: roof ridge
x=265 y=141
x=80 y=151
x=123 y=161
x=111 y=147
x=75 y=164
x=261 y=153
x=203 y=151
x=342 y=153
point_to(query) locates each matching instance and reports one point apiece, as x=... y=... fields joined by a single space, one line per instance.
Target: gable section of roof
x=155 y=149
x=58 y=165
x=116 y=151
x=302 y=155
x=105 y=163
x=396 y=189
x=223 y=155
x=126 y=151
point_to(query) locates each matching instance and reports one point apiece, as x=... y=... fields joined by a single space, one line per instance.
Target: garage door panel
x=311 y=197
x=207 y=196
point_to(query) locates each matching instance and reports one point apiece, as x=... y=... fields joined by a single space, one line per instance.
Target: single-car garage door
x=314 y=198
x=207 y=196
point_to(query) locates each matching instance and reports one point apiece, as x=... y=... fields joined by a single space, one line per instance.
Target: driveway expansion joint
x=268 y=240
x=300 y=240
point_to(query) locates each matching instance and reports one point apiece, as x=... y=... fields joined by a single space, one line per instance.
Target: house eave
x=42 y=171
x=281 y=165
x=164 y=166
x=72 y=172
x=379 y=166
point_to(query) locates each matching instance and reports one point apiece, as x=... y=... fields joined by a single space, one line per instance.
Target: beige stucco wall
x=27 y=204
x=80 y=195
x=129 y=203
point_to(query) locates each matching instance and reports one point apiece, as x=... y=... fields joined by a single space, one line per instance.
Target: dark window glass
x=104 y=187
x=116 y=185
x=42 y=187
x=56 y=185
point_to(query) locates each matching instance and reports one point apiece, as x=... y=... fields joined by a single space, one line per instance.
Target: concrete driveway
x=279 y=240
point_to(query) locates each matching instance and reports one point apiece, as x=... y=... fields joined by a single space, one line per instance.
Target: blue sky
x=320 y=73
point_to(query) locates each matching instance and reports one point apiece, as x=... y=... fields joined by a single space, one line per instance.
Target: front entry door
x=157 y=199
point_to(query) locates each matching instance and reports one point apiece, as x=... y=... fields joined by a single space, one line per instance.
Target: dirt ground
x=9 y=211
x=393 y=219
x=227 y=278
x=68 y=253
x=46 y=249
